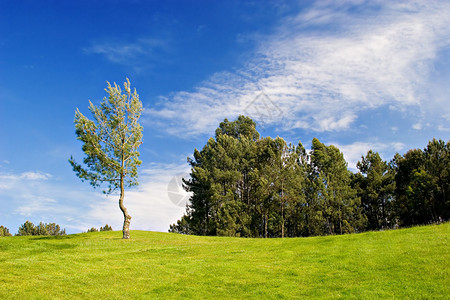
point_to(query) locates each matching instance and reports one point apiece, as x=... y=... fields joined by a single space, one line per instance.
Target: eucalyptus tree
x=110 y=142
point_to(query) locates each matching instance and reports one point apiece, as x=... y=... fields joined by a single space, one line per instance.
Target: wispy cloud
x=8 y=180
x=323 y=67
x=128 y=53
x=35 y=205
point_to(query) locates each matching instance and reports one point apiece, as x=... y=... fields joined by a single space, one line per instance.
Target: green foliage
x=248 y=186
x=106 y=228
x=110 y=142
x=334 y=203
x=422 y=191
x=376 y=189
x=111 y=139
x=251 y=186
x=4 y=231
x=411 y=263
x=28 y=228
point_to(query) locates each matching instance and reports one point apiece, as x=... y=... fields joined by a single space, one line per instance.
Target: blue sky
x=357 y=74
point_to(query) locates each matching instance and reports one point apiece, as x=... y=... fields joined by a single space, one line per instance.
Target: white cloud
x=353 y=152
x=322 y=79
x=26 y=176
x=417 y=126
x=35 y=176
x=8 y=181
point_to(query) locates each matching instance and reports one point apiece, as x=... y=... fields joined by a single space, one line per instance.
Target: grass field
x=407 y=263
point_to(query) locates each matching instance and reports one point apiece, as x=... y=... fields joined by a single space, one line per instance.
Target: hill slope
x=404 y=263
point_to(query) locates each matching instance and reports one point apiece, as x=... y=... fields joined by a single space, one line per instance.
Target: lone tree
x=110 y=142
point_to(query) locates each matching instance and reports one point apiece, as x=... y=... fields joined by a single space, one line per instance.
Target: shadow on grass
x=52 y=237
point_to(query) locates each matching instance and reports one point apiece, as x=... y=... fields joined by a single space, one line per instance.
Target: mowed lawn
x=407 y=263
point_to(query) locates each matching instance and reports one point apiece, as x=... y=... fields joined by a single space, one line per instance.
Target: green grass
x=408 y=263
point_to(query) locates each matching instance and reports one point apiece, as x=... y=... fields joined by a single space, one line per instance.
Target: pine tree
x=110 y=142
x=338 y=202
x=375 y=185
x=220 y=182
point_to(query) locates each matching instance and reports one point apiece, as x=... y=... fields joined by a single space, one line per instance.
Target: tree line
x=28 y=228
x=104 y=228
x=251 y=186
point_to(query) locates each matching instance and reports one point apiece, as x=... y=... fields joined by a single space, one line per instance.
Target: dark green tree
x=298 y=185
x=336 y=202
x=422 y=184
x=375 y=185
x=220 y=182
x=437 y=165
x=268 y=179
x=110 y=142
x=408 y=209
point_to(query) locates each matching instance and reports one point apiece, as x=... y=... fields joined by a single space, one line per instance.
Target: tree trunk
x=282 y=210
x=266 y=220
x=126 y=216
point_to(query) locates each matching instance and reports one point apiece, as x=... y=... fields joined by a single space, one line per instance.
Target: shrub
x=4 y=231
x=27 y=228
x=106 y=228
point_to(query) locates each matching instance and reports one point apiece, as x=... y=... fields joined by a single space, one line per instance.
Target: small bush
x=106 y=228
x=4 y=231
x=27 y=228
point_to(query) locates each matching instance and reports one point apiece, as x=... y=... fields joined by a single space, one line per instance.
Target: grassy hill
x=406 y=263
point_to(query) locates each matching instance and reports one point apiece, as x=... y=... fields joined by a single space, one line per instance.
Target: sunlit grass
x=407 y=263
